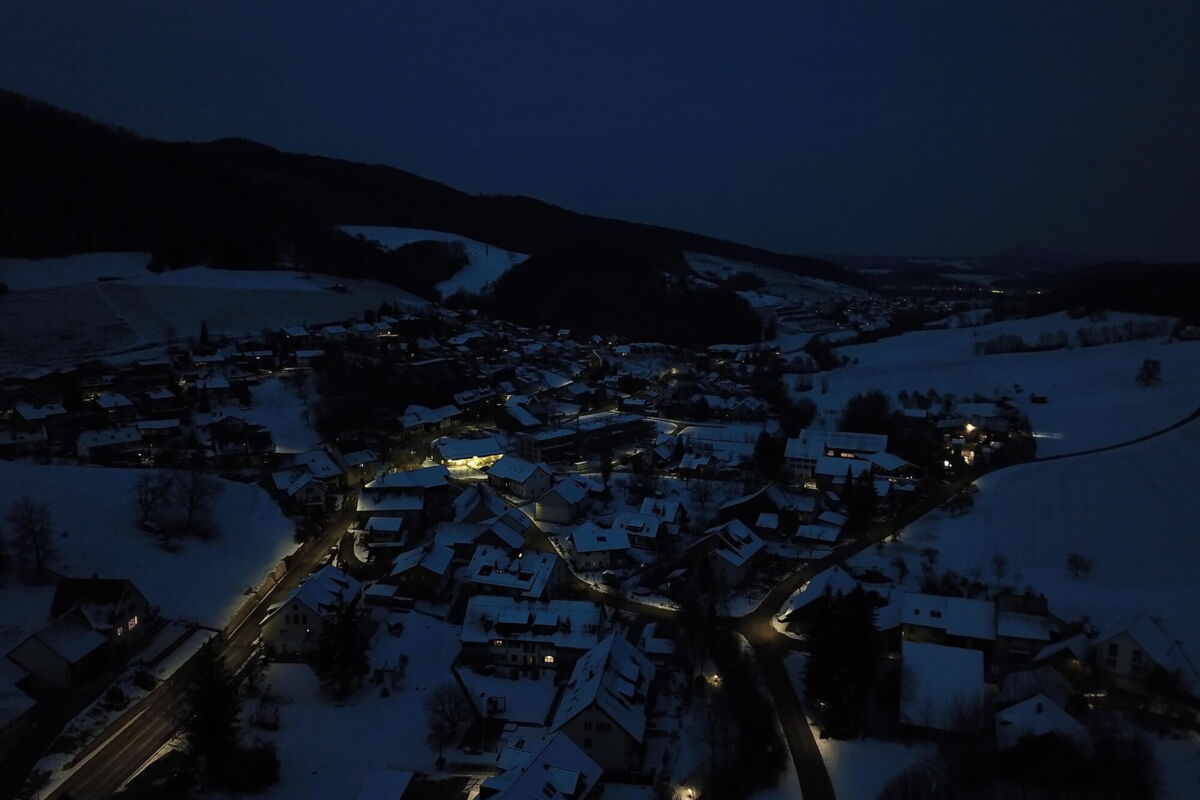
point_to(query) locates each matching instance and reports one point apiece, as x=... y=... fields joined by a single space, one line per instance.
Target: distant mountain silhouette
x=70 y=185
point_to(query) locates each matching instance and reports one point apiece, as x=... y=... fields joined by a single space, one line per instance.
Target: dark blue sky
x=886 y=127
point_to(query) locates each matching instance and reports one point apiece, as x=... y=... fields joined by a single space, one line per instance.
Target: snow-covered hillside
x=95 y=520
x=65 y=324
x=1132 y=511
x=1093 y=400
x=487 y=262
x=46 y=273
x=784 y=287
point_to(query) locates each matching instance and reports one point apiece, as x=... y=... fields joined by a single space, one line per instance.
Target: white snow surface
x=1131 y=510
x=487 y=262
x=1178 y=766
x=858 y=768
x=1093 y=398
x=46 y=273
x=204 y=581
x=318 y=738
x=46 y=323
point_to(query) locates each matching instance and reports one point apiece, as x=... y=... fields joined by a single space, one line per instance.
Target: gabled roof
x=1038 y=716
x=572 y=624
x=556 y=769
x=572 y=490
x=510 y=527
x=319 y=462
x=127 y=435
x=737 y=544
x=942 y=684
x=495 y=566
x=435 y=558
x=457 y=449
x=615 y=677
x=1158 y=645
x=320 y=592
x=668 y=510
x=957 y=616
x=70 y=640
x=516 y=469
x=635 y=524
x=479 y=502
x=590 y=538
x=90 y=594
x=426 y=478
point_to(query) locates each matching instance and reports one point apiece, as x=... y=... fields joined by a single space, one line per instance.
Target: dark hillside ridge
x=74 y=185
x=593 y=287
x=1167 y=289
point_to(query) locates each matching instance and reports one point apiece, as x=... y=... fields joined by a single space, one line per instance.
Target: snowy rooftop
x=737 y=543
x=590 y=538
x=957 y=616
x=573 y=624
x=555 y=769
x=942 y=684
x=458 y=449
x=426 y=478
x=615 y=677
x=512 y=468
x=320 y=591
x=529 y=573
x=1038 y=716
x=368 y=504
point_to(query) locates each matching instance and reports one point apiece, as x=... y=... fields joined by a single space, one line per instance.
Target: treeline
x=1166 y=289
x=595 y=287
x=1128 y=331
x=74 y=185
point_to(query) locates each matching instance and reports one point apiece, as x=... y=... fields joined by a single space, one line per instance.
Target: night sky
x=899 y=128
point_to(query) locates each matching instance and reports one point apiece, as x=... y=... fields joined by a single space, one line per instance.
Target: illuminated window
x=120 y=630
x=133 y=623
x=548 y=659
x=497 y=643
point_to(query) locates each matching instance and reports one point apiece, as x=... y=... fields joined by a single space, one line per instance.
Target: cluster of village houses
x=502 y=531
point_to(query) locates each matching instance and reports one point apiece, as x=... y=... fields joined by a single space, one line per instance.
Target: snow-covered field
x=46 y=273
x=487 y=262
x=50 y=321
x=1132 y=511
x=326 y=749
x=859 y=768
x=95 y=520
x=1093 y=399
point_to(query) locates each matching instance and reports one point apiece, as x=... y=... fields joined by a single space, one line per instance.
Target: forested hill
x=72 y=185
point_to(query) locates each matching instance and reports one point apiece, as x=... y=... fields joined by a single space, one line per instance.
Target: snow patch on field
x=203 y=582
x=487 y=262
x=279 y=408
x=47 y=273
x=326 y=749
x=1093 y=400
x=1132 y=511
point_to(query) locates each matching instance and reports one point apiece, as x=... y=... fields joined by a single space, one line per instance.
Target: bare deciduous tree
x=999 y=566
x=448 y=712
x=29 y=521
x=196 y=491
x=151 y=490
x=1079 y=564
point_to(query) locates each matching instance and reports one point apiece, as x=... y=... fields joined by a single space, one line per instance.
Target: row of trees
x=186 y=495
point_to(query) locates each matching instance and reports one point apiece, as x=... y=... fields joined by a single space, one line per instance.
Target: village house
x=1135 y=651
x=803 y=453
x=293 y=626
x=61 y=653
x=553 y=769
x=478 y=503
x=472 y=453
x=671 y=512
x=418 y=496
x=732 y=549
x=791 y=509
x=956 y=621
x=422 y=574
x=516 y=476
x=642 y=529
x=563 y=503
x=597 y=548
x=942 y=687
x=604 y=707
x=113 y=607
x=529 y=635
x=533 y=576
x=109 y=446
